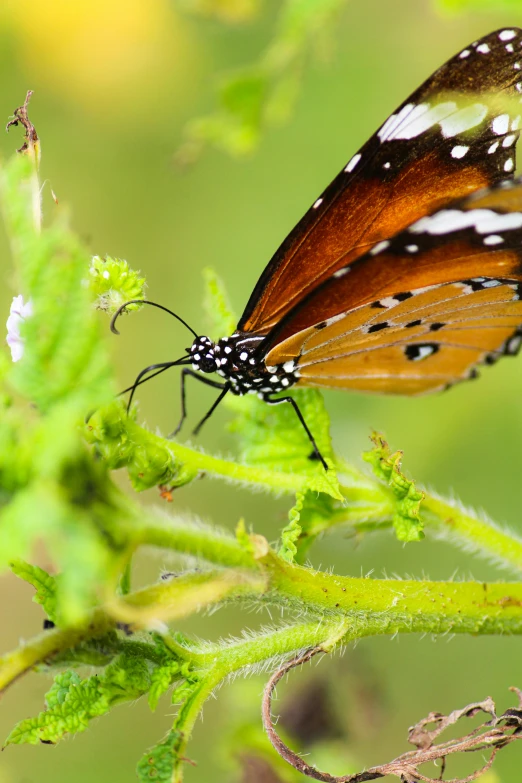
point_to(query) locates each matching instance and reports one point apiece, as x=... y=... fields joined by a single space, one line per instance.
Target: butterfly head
x=202 y=352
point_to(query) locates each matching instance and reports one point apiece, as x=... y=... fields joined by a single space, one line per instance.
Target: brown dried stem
x=20 y=115
x=492 y=735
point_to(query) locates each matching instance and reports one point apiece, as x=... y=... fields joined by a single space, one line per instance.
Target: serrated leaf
x=44 y=584
x=387 y=466
x=273 y=437
x=159 y=763
x=290 y=534
x=307 y=518
x=51 y=488
x=161 y=679
x=73 y=702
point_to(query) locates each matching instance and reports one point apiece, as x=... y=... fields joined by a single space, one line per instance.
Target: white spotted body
x=236 y=360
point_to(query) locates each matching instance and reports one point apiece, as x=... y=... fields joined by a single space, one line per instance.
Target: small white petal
x=18 y=312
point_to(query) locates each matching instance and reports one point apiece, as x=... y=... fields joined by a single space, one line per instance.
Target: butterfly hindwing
x=444 y=142
x=423 y=344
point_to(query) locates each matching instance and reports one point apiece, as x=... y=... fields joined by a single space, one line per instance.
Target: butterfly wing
x=441 y=144
x=422 y=309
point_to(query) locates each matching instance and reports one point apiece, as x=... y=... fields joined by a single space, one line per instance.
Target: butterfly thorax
x=237 y=359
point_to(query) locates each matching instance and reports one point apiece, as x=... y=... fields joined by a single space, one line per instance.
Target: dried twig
x=492 y=735
x=20 y=115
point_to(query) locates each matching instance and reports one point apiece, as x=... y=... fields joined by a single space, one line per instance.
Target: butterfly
x=406 y=273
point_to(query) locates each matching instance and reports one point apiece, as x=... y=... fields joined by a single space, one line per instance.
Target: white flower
x=18 y=313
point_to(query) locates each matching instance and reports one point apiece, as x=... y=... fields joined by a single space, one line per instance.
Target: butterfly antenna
x=159 y=368
x=147 y=302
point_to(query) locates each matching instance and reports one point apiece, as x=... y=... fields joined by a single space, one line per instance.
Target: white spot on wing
x=335 y=318
x=459 y=151
x=464 y=53
x=421 y=119
x=484 y=221
x=318 y=203
x=342 y=272
x=388 y=302
x=379 y=247
x=393 y=122
x=483 y=48
x=463 y=120
x=412 y=248
x=500 y=124
x=509 y=165
x=510 y=48
x=387 y=165
x=507 y=35
x=353 y=162
x=493 y=239
x=424 y=351
x=509 y=140
x=494 y=147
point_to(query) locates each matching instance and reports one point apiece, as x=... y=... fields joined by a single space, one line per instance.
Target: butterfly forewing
x=454 y=135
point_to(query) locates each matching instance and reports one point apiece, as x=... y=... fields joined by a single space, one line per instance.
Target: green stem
x=183 y=595
x=201 y=541
x=49 y=643
x=457 y=525
x=400 y=605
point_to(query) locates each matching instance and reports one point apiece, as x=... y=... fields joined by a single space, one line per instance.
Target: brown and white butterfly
x=406 y=273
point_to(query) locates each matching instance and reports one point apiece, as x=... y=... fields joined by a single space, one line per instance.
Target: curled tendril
x=494 y=734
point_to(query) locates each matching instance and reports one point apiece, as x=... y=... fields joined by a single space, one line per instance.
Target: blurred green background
x=115 y=83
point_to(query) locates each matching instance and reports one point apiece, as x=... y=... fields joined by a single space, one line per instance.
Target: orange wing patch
x=432 y=339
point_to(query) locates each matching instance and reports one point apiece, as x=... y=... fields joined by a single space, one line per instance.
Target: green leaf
x=291 y=533
x=50 y=487
x=73 y=702
x=387 y=466
x=112 y=283
x=308 y=517
x=64 y=357
x=264 y=93
x=273 y=437
x=159 y=763
x=44 y=584
x=161 y=679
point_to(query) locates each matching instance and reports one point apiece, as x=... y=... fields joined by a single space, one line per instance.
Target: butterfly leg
x=208 y=382
x=316 y=454
x=225 y=388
